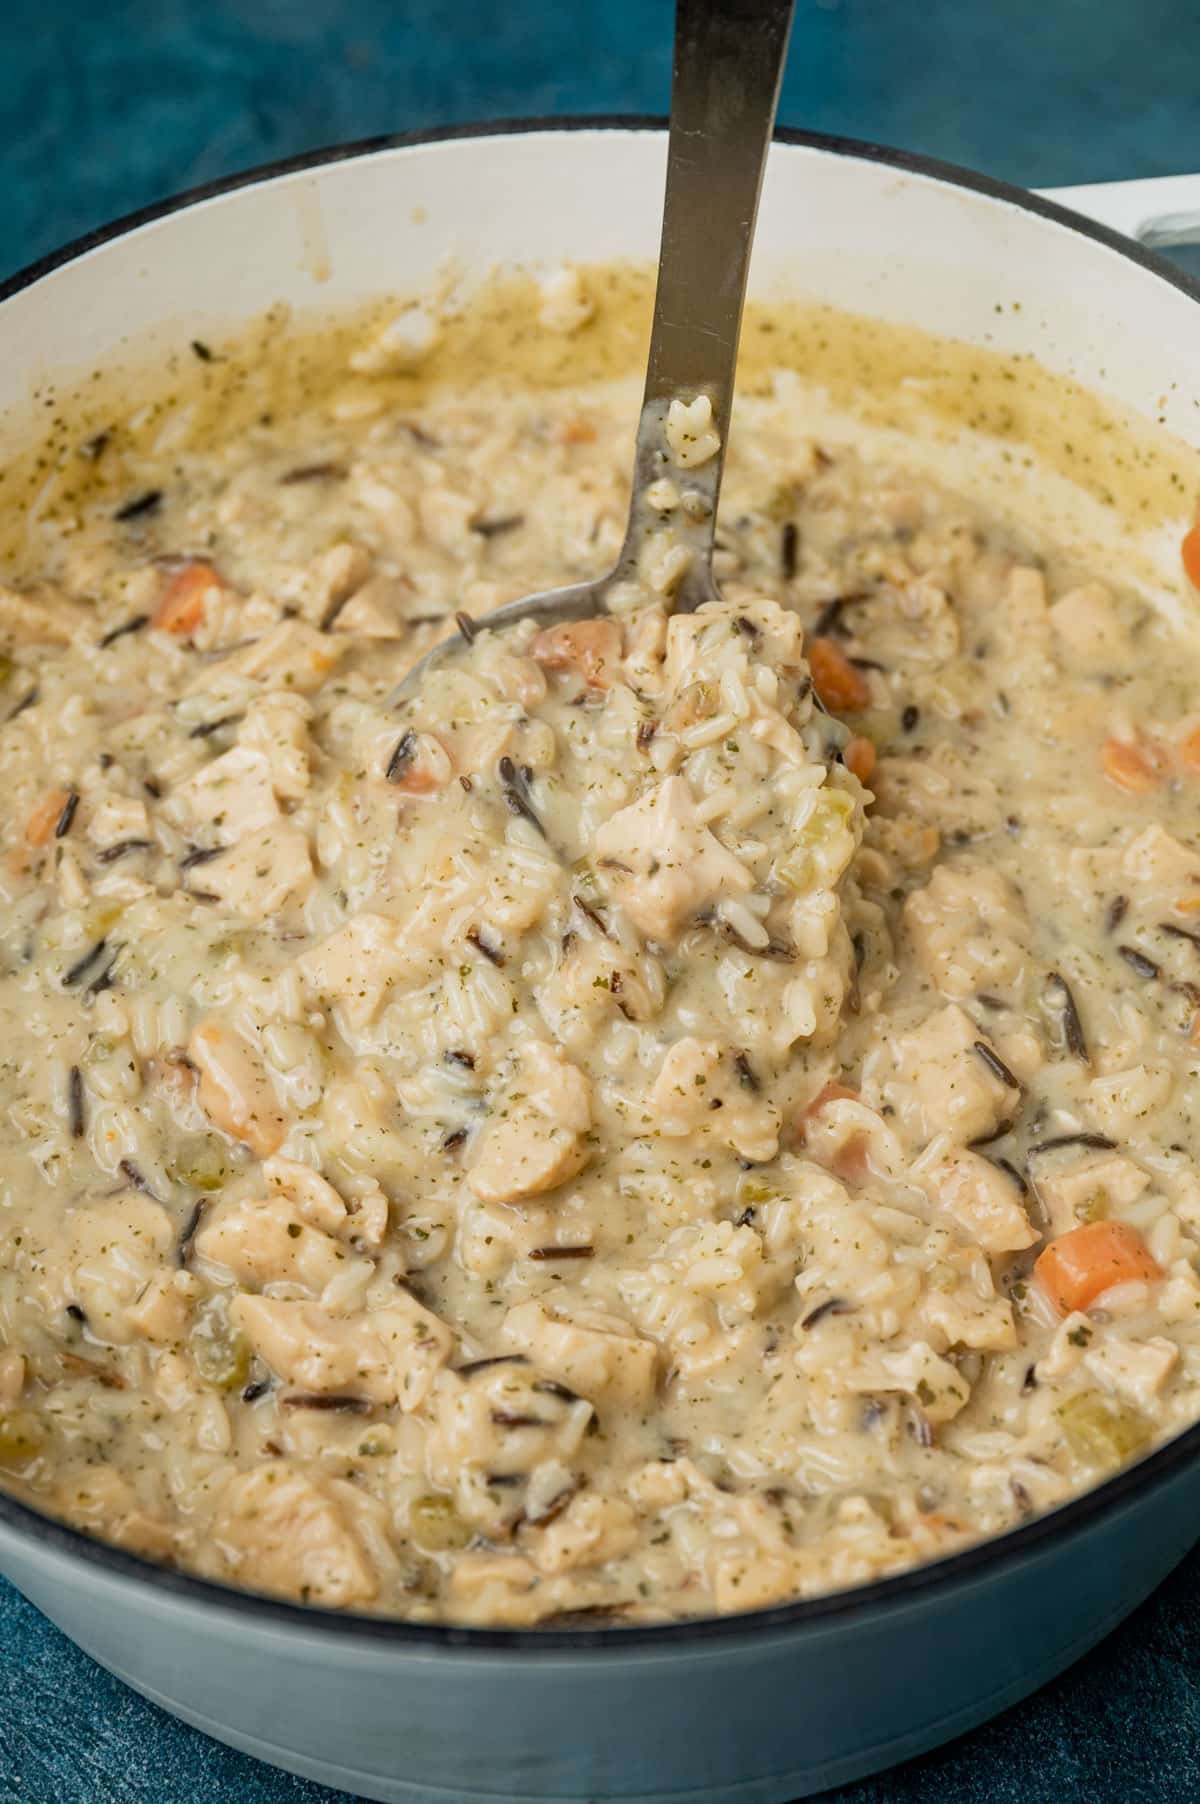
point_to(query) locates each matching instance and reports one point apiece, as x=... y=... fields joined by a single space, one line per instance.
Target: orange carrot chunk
x=860 y=757
x=1132 y=767
x=181 y=609
x=1191 y=556
x=830 y=1092
x=840 y=687
x=849 y=1161
x=45 y=817
x=1189 y=752
x=1077 y=1267
x=592 y=647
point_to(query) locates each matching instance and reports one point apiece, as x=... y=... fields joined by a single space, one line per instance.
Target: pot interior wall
x=839 y=230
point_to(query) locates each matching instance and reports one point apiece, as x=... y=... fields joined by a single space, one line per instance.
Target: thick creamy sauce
x=596 y=1140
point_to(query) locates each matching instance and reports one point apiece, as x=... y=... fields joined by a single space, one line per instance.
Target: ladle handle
x=729 y=58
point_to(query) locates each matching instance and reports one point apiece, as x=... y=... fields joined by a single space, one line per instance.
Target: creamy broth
x=676 y=1116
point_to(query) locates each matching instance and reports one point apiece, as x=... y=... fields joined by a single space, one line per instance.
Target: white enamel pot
x=779 y=1704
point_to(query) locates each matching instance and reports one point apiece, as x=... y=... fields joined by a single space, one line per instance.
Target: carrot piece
x=849 y=1161
x=1191 y=556
x=859 y=756
x=592 y=647
x=181 y=608
x=829 y=1092
x=45 y=817
x=1189 y=752
x=840 y=687
x=1132 y=767
x=577 y=432
x=833 y=1091
x=1075 y=1268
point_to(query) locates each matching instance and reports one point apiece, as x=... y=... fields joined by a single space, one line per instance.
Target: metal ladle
x=728 y=66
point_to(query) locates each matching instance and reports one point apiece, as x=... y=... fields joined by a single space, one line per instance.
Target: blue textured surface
x=108 y=107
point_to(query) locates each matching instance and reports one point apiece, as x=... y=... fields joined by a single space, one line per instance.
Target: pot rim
x=998 y=1551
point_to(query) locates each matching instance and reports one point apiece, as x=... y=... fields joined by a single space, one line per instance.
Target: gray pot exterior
x=760 y=1715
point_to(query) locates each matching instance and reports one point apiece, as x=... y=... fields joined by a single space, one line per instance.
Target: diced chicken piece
x=938 y=1387
x=310 y=1195
x=1156 y=858
x=234 y=795
x=983 y=1200
x=955 y=1088
x=645 y=637
x=329 y=582
x=525 y=1156
x=591 y=1530
x=389 y=1356
x=262 y=873
x=1100 y=1186
x=658 y=1485
x=114 y=1250
x=662 y=864
x=12 y=1377
x=538 y=1142
x=598 y=1355
x=698 y=643
x=105 y=1503
x=292 y=656
x=235 y=1091
x=590 y=647
x=115 y=818
x=445 y=517
x=485 y=1578
x=753 y=1581
x=276 y=725
x=161 y=1313
x=263 y=1241
x=376 y=611
x=1136 y=1370
x=367 y=1212
x=555 y=1087
x=1088 y=630
x=44 y=618
x=701 y=1088
x=1179 y=1295
x=355 y=967
x=279 y=1530
x=968 y=926
x=966 y=1319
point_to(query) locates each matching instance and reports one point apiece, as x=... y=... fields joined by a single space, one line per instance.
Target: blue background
x=107 y=107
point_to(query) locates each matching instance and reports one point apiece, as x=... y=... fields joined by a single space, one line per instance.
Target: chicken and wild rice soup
x=679 y=1114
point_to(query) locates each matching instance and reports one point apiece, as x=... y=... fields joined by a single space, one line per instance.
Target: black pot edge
x=1140 y=1480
